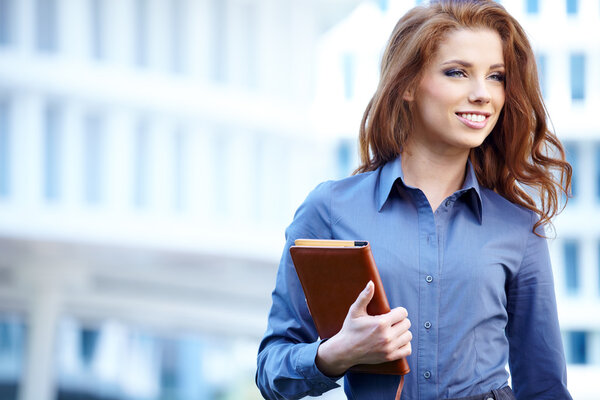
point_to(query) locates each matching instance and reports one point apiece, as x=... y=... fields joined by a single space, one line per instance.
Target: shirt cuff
x=307 y=367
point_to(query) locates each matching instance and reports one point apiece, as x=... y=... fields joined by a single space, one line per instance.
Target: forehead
x=481 y=45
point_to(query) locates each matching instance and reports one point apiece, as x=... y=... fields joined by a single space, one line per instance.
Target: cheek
x=499 y=98
x=435 y=99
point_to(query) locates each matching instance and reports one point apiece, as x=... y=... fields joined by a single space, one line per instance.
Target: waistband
x=505 y=393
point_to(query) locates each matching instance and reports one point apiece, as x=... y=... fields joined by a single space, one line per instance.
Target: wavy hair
x=521 y=159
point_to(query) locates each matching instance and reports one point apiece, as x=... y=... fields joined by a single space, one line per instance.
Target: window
x=97 y=42
x=5 y=158
x=219 y=40
x=344 y=157
x=598 y=171
x=542 y=71
x=577 y=68
x=571 y=259
x=577 y=347
x=221 y=173
x=93 y=159
x=179 y=145
x=13 y=335
x=250 y=48
x=6 y=21
x=88 y=341
x=572 y=7
x=573 y=158
x=349 y=67
x=52 y=152
x=141 y=32
x=47 y=25
x=178 y=36
x=532 y=6
x=141 y=179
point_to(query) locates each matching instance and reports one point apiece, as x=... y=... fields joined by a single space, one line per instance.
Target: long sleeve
x=286 y=366
x=536 y=357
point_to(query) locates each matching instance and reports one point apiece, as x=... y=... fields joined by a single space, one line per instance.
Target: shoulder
x=314 y=216
x=501 y=211
x=515 y=224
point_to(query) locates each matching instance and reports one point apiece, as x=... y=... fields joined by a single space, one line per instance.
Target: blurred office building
x=152 y=153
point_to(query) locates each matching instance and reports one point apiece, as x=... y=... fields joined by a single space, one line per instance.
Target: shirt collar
x=392 y=171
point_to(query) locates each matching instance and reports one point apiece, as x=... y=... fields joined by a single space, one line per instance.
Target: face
x=461 y=93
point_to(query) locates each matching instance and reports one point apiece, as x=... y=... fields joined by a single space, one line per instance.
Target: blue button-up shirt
x=476 y=281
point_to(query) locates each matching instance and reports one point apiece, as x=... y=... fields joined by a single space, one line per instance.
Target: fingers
x=396 y=315
x=398 y=343
x=359 y=307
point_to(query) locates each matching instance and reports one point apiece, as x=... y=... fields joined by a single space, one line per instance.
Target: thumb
x=359 y=307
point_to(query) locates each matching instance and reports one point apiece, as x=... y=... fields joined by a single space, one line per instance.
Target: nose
x=479 y=93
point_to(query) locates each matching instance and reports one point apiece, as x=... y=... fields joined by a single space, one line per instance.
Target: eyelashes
x=459 y=73
x=498 y=77
x=455 y=73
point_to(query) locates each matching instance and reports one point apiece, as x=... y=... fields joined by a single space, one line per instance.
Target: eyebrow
x=468 y=64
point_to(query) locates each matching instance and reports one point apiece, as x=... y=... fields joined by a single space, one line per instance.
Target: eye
x=455 y=73
x=498 y=76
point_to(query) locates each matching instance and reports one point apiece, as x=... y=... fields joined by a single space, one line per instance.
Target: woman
x=459 y=177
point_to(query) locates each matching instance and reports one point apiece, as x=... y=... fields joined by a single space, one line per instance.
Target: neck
x=437 y=175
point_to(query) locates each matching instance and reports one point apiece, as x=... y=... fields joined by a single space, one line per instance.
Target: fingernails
x=369 y=287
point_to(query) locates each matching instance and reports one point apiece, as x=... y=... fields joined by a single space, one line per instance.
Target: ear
x=408 y=95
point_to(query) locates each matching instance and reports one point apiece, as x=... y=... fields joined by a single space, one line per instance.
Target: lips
x=473 y=119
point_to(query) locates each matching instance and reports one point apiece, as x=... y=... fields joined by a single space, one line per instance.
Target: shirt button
x=448 y=202
x=427 y=325
x=429 y=279
x=427 y=374
x=489 y=398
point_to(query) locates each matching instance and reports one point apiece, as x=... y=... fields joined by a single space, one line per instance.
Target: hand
x=366 y=339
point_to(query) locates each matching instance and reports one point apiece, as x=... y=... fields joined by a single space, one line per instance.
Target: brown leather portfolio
x=332 y=274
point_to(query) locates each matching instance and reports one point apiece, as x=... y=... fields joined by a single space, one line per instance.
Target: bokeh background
x=152 y=153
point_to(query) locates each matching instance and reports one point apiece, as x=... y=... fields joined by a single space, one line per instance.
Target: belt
x=497 y=394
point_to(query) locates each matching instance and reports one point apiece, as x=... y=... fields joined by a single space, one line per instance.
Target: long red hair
x=521 y=159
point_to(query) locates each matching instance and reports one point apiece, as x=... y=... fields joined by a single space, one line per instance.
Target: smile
x=473 y=120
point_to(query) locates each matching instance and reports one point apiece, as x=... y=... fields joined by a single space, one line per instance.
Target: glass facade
x=572 y=155
x=577 y=347
x=96 y=29
x=5 y=151
x=52 y=152
x=219 y=39
x=577 y=70
x=141 y=159
x=179 y=169
x=94 y=153
x=542 y=71
x=13 y=337
x=597 y=171
x=46 y=13
x=349 y=68
x=178 y=30
x=113 y=361
x=532 y=6
x=571 y=260
x=250 y=51
x=141 y=33
x=6 y=22
x=572 y=7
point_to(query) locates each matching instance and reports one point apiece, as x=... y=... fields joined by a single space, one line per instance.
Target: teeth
x=473 y=117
